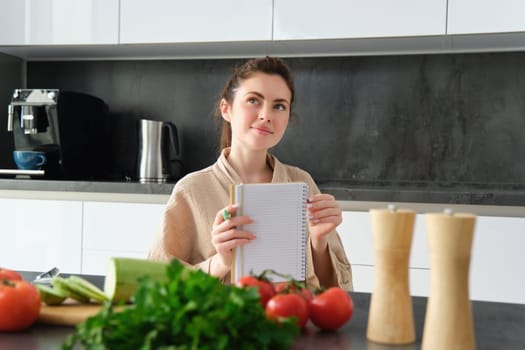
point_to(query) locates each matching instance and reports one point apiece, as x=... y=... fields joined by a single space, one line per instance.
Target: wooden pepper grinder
x=448 y=319
x=391 y=319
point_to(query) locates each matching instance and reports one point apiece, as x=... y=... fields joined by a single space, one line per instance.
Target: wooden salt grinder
x=448 y=319
x=391 y=319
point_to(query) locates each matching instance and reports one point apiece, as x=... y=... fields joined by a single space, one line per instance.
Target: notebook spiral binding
x=304 y=230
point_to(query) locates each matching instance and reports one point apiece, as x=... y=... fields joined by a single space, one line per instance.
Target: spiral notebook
x=278 y=211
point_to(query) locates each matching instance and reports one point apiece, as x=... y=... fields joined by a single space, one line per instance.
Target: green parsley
x=189 y=310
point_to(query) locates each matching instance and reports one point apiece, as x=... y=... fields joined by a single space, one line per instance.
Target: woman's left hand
x=324 y=215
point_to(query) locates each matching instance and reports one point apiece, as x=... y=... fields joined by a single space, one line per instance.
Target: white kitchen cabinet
x=497 y=267
x=356 y=234
x=59 y=22
x=96 y=262
x=12 y=22
x=363 y=278
x=485 y=16
x=117 y=229
x=497 y=262
x=338 y=19
x=37 y=235
x=178 y=21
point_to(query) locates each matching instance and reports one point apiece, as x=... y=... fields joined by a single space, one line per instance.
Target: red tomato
x=19 y=305
x=289 y=287
x=9 y=275
x=266 y=289
x=286 y=306
x=331 y=309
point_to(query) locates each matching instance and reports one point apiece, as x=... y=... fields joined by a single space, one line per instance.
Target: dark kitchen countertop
x=497 y=326
x=428 y=192
x=85 y=186
x=451 y=193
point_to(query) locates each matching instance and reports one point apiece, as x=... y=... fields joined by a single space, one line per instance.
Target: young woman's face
x=259 y=113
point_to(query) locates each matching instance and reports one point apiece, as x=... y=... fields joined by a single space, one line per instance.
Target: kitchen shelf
x=468 y=43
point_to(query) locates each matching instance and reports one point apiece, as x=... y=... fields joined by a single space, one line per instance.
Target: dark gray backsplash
x=11 y=69
x=439 y=119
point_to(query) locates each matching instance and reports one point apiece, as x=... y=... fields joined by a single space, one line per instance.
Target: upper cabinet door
x=12 y=22
x=59 y=22
x=338 y=19
x=175 y=21
x=484 y=16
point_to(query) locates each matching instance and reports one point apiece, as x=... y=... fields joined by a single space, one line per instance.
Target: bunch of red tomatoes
x=329 y=309
x=19 y=301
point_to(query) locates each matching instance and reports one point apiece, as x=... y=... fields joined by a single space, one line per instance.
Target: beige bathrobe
x=185 y=232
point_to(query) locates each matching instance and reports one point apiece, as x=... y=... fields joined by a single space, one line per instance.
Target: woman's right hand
x=226 y=236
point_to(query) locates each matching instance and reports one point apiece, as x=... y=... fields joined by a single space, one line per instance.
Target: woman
x=255 y=106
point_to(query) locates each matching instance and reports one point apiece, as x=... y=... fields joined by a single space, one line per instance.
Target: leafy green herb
x=190 y=310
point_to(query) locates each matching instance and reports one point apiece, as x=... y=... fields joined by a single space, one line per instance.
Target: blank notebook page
x=278 y=212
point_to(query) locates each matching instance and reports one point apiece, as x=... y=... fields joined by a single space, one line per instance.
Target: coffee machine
x=72 y=128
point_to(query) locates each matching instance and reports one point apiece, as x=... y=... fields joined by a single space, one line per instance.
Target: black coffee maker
x=72 y=128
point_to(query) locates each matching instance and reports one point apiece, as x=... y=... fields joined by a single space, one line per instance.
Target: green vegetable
x=73 y=287
x=61 y=285
x=86 y=288
x=121 y=280
x=187 y=310
x=50 y=295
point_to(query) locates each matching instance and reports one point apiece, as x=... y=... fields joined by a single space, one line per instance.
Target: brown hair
x=268 y=65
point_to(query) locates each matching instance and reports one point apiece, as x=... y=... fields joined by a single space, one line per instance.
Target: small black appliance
x=72 y=128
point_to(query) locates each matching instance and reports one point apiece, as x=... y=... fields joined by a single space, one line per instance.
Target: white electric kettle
x=159 y=158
